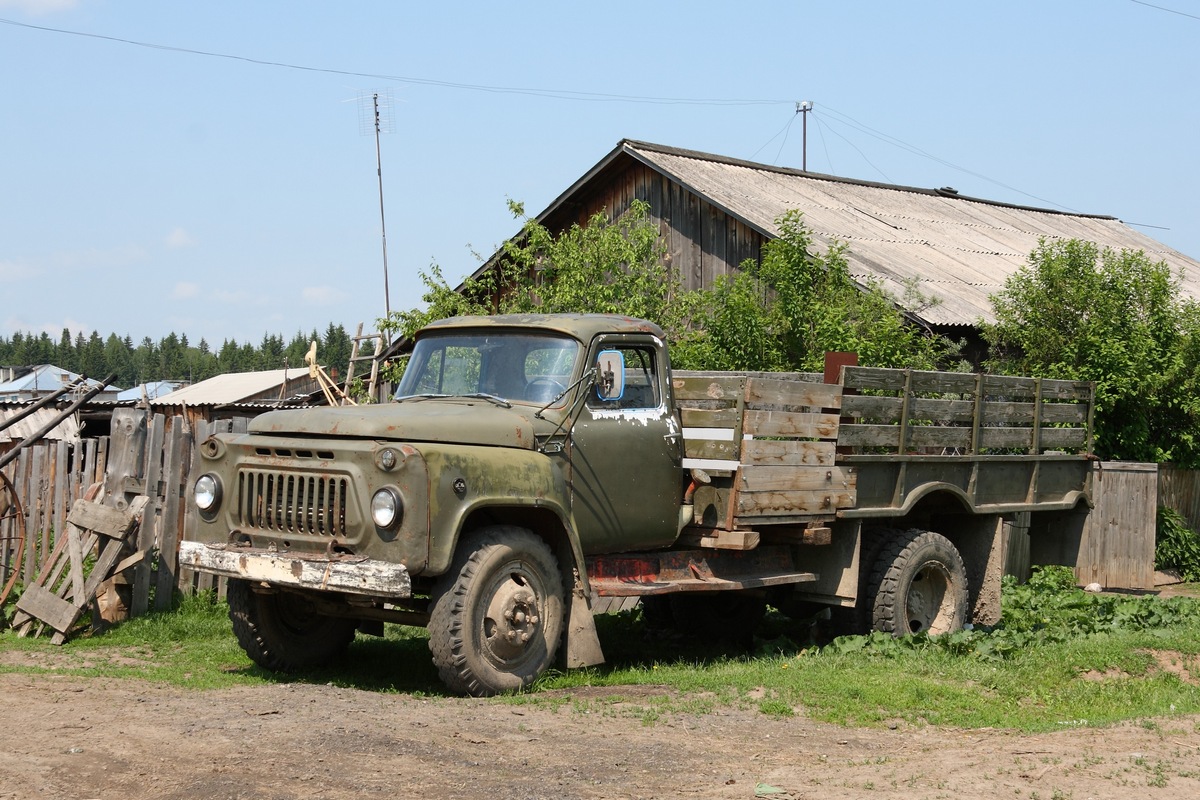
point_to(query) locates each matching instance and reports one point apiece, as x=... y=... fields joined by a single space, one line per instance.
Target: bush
x=1176 y=546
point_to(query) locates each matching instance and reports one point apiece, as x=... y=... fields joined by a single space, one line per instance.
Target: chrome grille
x=290 y=502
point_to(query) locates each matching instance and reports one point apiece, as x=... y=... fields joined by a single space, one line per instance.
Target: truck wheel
x=281 y=632
x=919 y=585
x=497 y=614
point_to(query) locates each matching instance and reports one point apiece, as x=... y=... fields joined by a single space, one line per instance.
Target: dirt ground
x=79 y=738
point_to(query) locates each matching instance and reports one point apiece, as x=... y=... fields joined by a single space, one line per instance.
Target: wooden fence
x=1180 y=489
x=145 y=455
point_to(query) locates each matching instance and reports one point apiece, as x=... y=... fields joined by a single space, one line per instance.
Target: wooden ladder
x=355 y=357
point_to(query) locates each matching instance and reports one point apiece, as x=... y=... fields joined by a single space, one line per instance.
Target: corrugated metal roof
x=232 y=388
x=961 y=249
x=151 y=391
x=44 y=379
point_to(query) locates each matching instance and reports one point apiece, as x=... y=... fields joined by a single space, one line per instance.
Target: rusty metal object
x=12 y=516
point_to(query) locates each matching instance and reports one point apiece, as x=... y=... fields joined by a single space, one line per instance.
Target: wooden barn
x=716 y=212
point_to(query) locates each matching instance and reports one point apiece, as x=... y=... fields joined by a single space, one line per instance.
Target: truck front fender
x=501 y=484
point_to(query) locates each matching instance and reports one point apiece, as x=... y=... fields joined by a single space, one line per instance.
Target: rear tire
x=281 y=632
x=497 y=614
x=918 y=585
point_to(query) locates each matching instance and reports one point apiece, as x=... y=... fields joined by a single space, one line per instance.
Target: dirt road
x=69 y=737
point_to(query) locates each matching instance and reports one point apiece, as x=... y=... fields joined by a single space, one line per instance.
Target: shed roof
x=235 y=387
x=961 y=249
x=67 y=429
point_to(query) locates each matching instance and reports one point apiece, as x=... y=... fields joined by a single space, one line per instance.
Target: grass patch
x=1060 y=657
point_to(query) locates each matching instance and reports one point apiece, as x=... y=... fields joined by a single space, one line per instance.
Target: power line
x=1164 y=8
x=557 y=94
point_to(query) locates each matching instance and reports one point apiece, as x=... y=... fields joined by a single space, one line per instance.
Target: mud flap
x=583 y=643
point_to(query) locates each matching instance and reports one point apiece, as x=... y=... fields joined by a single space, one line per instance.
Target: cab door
x=626 y=453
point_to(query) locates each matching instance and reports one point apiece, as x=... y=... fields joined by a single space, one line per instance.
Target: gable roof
x=960 y=249
x=44 y=379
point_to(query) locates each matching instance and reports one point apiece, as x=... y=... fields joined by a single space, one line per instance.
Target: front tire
x=918 y=585
x=281 y=632
x=497 y=614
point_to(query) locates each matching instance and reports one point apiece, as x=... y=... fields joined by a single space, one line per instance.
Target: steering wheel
x=543 y=389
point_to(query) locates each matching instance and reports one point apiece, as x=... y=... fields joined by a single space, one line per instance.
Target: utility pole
x=380 y=122
x=803 y=107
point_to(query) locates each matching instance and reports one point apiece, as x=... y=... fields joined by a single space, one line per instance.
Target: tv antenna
x=375 y=115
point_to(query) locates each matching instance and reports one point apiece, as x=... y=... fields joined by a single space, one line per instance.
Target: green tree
x=118 y=358
x=65 y=354
x=787 y=311
x=1077 y=312
x=606 y=266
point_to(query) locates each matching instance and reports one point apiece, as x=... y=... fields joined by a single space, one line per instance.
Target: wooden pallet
x=61 y=593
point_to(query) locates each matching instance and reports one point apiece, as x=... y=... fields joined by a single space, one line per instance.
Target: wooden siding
x=701 y=240
x=1117 y=546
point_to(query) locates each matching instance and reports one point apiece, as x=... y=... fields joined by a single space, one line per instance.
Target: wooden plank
x=789 y=394
x=139 y=602
x=39 y=528
x=807 y=479
x=1064 y=438
x=126 y=463
x=689 y=387
x=1009 y=387
x=709 y=448
x=788 y=453
x=873 y=407
x=719 y=539
x=758 y=504
x=102 y=519
x=168 y=552
x=58 y=485
x=791 y=423
x=857 y=435
x=710 y=418
x=75 y=552
x=40 y=603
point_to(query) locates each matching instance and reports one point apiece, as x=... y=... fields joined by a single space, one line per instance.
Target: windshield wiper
x=491 y=398
x=419 y=397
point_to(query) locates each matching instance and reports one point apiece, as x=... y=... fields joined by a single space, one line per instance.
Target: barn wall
x=702 y=241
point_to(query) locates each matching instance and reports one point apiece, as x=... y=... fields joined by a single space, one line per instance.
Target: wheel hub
x=511 y=620
x=926 y=602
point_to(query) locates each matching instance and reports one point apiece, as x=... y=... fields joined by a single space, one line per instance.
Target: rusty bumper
x=334 y=573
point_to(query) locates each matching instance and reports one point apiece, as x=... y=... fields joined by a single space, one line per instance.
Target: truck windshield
x=517 y=366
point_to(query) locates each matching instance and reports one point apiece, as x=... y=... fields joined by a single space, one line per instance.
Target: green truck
x=532 y=471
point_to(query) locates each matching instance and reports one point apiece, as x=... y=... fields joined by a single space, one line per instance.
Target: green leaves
x=1176 y=545
x=1081 y=313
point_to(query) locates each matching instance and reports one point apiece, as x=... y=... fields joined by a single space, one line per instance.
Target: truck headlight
x=386 y=508
x=207 y=492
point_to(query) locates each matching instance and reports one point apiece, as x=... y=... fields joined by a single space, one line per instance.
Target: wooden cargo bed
x=791 y=450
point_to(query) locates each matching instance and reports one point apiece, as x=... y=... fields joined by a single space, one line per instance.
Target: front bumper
x=332 y=573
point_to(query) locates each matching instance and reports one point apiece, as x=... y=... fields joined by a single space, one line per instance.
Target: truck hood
x=451 y=420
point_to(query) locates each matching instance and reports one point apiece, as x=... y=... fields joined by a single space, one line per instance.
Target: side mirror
x=610 y=375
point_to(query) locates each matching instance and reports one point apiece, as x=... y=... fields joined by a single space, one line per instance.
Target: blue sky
x=148 y=189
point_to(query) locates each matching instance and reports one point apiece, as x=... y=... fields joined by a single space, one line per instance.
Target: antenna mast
x=380 y=121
